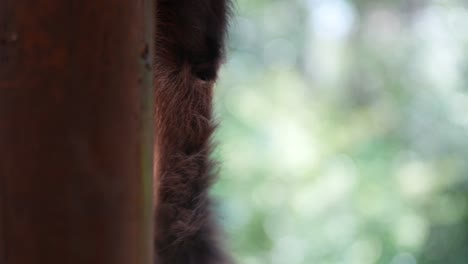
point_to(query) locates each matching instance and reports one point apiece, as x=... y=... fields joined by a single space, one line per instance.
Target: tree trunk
x=75 y=131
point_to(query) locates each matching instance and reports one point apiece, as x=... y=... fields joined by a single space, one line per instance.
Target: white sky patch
x=332 y=19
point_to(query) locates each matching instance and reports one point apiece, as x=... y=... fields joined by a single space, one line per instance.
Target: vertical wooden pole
x=75 y=131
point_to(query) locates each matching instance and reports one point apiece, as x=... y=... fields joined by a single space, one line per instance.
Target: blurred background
x=343 y=132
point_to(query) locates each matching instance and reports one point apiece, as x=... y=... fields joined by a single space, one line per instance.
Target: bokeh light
x=343 y=133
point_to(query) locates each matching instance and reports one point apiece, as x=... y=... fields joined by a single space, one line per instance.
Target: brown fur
x=188 y=52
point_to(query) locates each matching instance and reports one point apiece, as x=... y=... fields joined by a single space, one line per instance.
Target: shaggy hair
x=188 y=52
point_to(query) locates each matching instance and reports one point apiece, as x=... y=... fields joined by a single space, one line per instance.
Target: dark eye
x=205 y=71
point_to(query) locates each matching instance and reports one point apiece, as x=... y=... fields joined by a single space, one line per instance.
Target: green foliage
x=344 y=132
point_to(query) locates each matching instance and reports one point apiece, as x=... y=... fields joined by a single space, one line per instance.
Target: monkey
x=189 y=49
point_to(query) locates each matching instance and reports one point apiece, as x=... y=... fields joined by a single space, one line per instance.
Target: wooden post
x=75 y=131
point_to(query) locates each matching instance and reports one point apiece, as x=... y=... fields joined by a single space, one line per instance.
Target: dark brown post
x=75 y=131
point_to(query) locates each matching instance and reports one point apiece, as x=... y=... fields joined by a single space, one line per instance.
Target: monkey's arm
x=189 y=49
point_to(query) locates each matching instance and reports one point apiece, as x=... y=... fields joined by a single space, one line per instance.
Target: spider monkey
x=189 y=48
